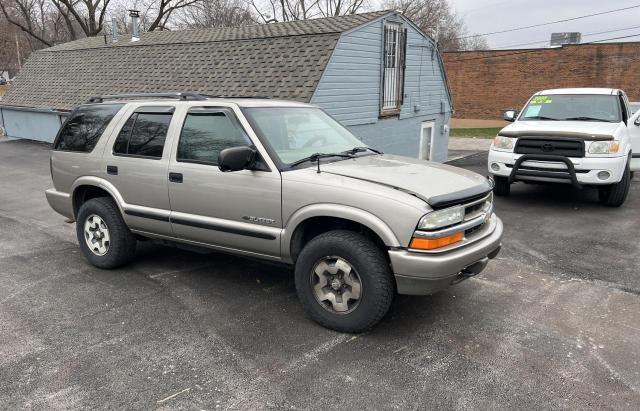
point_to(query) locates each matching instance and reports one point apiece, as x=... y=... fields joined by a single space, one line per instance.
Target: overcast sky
x=483 y=16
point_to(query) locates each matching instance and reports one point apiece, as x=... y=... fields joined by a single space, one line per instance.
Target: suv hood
x=437 y=184
x=579 y=129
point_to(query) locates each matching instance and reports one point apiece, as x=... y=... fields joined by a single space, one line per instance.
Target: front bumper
x=586 y=169
x=426 y=273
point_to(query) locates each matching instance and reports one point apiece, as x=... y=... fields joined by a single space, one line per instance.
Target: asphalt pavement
x=554 y=321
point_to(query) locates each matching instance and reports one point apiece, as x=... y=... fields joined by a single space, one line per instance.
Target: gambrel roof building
x=377 y=73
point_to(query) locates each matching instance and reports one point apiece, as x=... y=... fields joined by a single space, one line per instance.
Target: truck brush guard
x=568 y=174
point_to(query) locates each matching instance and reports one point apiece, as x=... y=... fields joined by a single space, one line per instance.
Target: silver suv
x=276 y=180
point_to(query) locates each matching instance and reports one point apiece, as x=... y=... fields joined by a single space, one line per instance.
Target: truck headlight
x=604 y=147
x=502 y=143
x=442 y=218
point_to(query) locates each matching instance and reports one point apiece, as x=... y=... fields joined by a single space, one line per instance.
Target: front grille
x=566 y=148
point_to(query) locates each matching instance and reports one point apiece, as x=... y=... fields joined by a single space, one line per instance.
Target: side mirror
x=237 y=158
x=510 y=115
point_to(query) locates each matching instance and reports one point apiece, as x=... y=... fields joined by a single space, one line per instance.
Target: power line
x=584 y=35
x=542 y=49
x=549 y=23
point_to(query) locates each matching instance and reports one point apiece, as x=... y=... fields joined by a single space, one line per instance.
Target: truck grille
x=566 y=148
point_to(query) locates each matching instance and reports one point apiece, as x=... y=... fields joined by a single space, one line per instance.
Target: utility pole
x=18 y=53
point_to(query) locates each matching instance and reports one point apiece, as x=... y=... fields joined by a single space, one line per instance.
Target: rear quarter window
x=85 y=125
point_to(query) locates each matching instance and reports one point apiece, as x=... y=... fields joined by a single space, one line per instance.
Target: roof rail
x=232 y=96
x=177 y=96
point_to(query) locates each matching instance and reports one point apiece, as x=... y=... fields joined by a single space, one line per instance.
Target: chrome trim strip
x=452 y=230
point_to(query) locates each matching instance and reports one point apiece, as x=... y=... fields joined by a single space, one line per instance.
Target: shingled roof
x=279 y=60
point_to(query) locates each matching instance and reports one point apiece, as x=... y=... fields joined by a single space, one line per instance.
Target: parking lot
x=554 y=321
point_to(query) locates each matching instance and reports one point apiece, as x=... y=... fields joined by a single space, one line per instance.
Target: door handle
x=113 y=170
x=175 y=177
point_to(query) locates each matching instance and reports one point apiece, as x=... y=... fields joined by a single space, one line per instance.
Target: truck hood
x=437 y=184
x=590 y=130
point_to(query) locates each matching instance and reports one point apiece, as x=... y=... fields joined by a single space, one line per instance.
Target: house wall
x=484 y=83
x=32 y=124
x=350 y=90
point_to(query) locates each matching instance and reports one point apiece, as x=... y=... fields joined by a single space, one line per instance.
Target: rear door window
x=83 y=128
x=144 y=133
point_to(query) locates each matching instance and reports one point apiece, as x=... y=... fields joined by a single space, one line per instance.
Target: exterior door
x=136 y=164
x=426 y=140
x=233 y=210
x=634 y=135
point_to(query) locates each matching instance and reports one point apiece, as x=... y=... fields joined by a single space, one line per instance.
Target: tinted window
x=84 y=127
x=204 y=135
x=143 y=134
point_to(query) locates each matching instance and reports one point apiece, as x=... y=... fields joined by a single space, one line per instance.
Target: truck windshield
x=573 y=107
x=296 y=133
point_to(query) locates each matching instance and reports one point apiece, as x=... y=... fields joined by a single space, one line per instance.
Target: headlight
x=442 y=218
x=604 y=147
x=503 y=143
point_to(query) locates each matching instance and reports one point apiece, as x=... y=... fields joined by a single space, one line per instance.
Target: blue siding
x=351 y=85
x=32 y=124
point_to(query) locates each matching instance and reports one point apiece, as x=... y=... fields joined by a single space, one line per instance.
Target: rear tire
x=105 y=239
x=614 y=195
x=333 y=269
x=502 y=186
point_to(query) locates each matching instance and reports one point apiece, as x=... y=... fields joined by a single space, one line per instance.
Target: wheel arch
x=86 y=188
x=320 y=218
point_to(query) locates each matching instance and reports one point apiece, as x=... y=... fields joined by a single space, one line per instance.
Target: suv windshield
x=573 y=107
x=296 y=133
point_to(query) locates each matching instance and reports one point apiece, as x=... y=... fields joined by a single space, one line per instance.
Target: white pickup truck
x=580 y=136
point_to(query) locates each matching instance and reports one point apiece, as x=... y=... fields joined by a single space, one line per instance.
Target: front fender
x=339 y=211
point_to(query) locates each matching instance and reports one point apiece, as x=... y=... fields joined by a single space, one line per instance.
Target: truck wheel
x=344 y=281
x=502 y=186
x=105 y=239
x=614 y=195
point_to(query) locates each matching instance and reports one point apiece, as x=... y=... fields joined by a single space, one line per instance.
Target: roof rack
x=177 y=96
x=232 y=96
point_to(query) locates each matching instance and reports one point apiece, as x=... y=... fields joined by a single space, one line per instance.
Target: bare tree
x=89 y=15
x=270 y=11
x=216 y=13
x=30 y=16
x=440 y=21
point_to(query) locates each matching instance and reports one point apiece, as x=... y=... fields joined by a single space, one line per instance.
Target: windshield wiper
x=317 y=156
x=542 y=118
x=356 y=150
x=584 y=118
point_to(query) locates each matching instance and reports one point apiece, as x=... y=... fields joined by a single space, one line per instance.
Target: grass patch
x=475 y=132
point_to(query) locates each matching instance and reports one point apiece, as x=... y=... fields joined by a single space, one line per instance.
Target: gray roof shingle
x=280 y=60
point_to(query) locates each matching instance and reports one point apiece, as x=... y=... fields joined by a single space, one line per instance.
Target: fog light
x=495 y=167
x=604 y=175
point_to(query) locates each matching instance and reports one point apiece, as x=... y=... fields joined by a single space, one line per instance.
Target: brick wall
x=484 y=83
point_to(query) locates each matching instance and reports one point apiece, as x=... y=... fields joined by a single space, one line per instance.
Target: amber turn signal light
x=433 y=243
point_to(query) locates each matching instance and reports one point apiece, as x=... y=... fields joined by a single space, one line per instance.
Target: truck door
x=634 y=136
x=238 y=210
x=136 y=163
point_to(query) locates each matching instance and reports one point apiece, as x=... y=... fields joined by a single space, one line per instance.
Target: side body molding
x=340 y=211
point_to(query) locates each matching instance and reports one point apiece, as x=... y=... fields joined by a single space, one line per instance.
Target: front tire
x=344 y=281
x=104 y=238
x=614 y=195
x=502 y=186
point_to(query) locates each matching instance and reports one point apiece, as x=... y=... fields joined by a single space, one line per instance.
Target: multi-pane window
x=144 y=133
x=394 y=66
